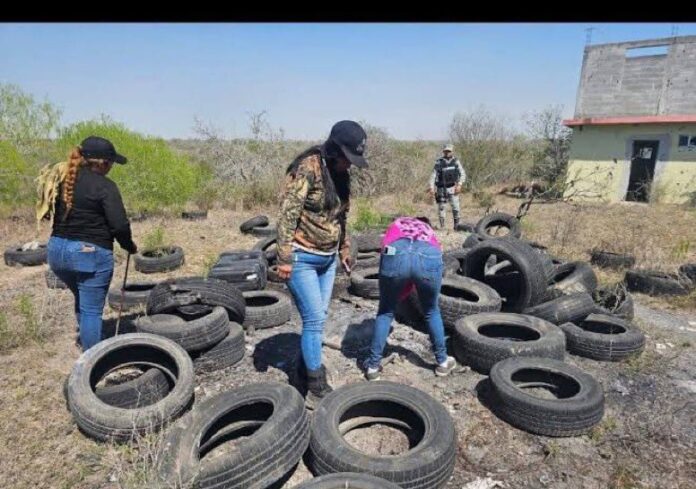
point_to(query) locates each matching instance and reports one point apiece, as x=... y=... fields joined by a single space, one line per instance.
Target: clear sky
x=407 y=78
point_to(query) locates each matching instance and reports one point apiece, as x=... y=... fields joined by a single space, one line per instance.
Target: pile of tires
x=247 y=270
x=203 y=316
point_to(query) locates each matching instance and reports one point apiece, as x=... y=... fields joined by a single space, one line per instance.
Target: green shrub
x=155 y=177
x=16 y=179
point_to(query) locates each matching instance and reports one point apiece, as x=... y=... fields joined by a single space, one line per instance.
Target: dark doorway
x=643 y=161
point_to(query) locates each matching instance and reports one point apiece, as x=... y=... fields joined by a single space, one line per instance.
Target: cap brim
x=120 y=159
x=357 y=160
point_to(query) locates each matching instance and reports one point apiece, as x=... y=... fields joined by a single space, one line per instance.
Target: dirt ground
x=647 y=438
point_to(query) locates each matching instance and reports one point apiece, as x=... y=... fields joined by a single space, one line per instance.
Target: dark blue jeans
x=420 y=263
x=87 y=270
x=311 y=283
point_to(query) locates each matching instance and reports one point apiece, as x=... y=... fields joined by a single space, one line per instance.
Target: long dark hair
x=336 y=184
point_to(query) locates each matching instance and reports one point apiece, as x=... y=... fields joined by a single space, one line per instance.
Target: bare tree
x=553 y=144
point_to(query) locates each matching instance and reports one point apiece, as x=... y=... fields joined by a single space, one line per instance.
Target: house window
x=683 y=141
x=687 y=142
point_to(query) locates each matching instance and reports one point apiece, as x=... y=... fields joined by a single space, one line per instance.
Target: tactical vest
x=447 y=172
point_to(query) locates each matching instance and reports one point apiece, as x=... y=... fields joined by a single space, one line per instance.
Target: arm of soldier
x=431 y=182
x=462 y=176
x=296 y=190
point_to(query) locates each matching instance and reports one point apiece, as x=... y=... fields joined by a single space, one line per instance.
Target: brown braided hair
x=75 y=161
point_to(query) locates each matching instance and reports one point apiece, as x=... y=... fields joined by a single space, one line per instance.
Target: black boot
x=317 y=387
x=456 y=222
x=442 y=223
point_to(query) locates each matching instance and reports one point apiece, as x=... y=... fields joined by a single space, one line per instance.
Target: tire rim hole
x=459 y=293
x=134 y=355
x=260 y=301
x=562 y=275
x=158 y=252
x=497 y=229
x=601 y=327
x=139 y=287
x=120 y=375
x=544 y=384
x=372 y=276
x=509 y=332
x=381 y=428
x=233 y=427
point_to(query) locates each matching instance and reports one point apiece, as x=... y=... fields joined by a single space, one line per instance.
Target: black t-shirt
x=97 y=215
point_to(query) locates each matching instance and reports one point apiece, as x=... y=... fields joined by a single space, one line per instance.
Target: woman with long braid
x=88 y=214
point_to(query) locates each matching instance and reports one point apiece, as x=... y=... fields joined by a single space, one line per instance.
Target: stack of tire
x=258 y=226
x=27 y=255
x=202 y=316
x=247 y=270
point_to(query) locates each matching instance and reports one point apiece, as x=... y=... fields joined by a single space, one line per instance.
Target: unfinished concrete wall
x=612 y=84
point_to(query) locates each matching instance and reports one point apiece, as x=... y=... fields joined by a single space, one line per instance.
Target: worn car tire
x=148 y=388
x=614 y=300
x=608 y=259
x=482 y=340
x=603 y=337
x=103 y=422
x=369 y=242
x=499 y=219
x=365 y=283
x=273 y=417
x=427 y=465
x=225 y=354
x=656 y=283
x=347 y=480
x=576 y=276
x=135 y=294
x=580 y=407
x=524 y=288
x=269 y=247
x=194 y=335
x=267 y=230
x=155 y=264
x=564 y=309
x=15 y=256
x=247 y=226
x=194 y=215
x=462 y=296
x=266 y=309
x=168 y=296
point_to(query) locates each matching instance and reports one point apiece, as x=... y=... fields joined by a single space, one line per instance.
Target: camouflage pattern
x=47 y=190
x=303 y=219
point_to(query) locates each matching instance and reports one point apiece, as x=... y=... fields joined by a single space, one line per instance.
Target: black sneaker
x=317 y=387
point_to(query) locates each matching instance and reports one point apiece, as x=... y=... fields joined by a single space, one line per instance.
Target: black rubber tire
x=168 y=296
x=614 y=300
x=235 y=256
x=482 y=340
x=472 y=240
x=225 y=354
x=268 y=230
x=53 y=282
x=688 y=270
x=194 y=335
x=103 y=422
x=148 y=388
x=151 y=264
x=575 y=276
x=135 y=294
x=258 y=461
x=570 y=416
x=365 y=287
x=266 y=309
x=247 y=226
x=246 y=275
x=462 y=296
x=499 y=219
x=268 y=246
x=194 y=215
x=273 y=275
x=452 y=260
x=428 y=465
x=367 y=260
x=603 y=337
x=564 y=309
x=526 y=288
x=465 y=227
x=347 y=480
x=608 y=259
x=369 y=242
x=656 y=283
x=16 y=257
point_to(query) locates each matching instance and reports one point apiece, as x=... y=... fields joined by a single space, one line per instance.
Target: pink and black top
x=411 y=228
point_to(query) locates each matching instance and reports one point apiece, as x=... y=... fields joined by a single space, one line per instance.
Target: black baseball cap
x=351 y=138
x=100 y=148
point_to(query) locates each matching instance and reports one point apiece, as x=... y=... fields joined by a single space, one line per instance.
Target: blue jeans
x=311 y=283
x=420 y=263
x=87 y=270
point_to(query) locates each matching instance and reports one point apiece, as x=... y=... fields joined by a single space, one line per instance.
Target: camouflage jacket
x=303 y=219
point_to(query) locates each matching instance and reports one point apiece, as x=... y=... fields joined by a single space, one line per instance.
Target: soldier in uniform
x=312 y=237
x=446 y=182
